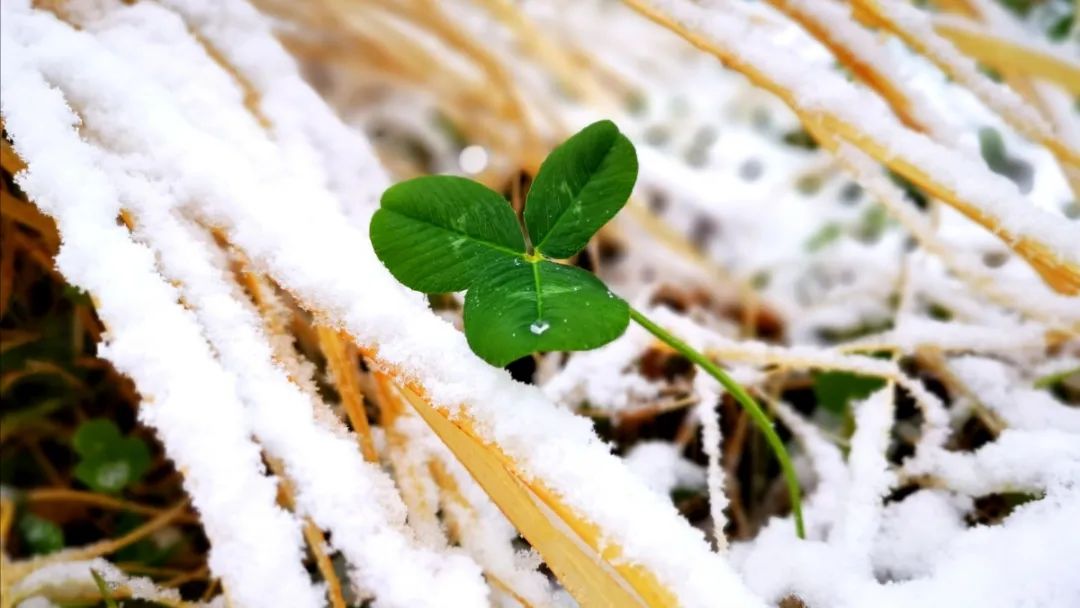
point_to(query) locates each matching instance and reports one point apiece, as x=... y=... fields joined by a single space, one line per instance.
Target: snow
x=74 y=578
x=603 y=378
x=821 y=94
x=828 y=466
x=913 y=24
x=834 y=25
x=709 y=394
x=484 y=531
x=995 y=385
x=930 y=555
x=1023 y=342
x=1019 y=461
x=901 y=549
x=812 y=358
x=1025 y=561
x=1036 y=301
x=131 y=110
x=662 y=468
x=870 y=477
x=191 y=401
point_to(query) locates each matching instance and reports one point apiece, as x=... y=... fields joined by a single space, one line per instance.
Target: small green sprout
x=103 y=589
x=439 y=234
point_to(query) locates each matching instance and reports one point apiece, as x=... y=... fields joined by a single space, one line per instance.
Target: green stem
x=760 y=418
x=103 y=588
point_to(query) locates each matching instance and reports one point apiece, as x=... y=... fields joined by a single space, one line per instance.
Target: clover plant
x=108 y=461
x=440 y=233
x=40 y=535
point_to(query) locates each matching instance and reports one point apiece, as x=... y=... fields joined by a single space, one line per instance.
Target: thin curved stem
x=760 y=418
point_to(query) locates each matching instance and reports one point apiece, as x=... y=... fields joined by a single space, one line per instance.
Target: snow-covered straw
x=191 y=402
x=826 y=100
x=191 y=119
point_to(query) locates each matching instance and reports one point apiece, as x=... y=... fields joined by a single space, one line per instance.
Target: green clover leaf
x=108 y=461
x=441 y=233
x=580 y=186
x=540 y=306
x=40 y=535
